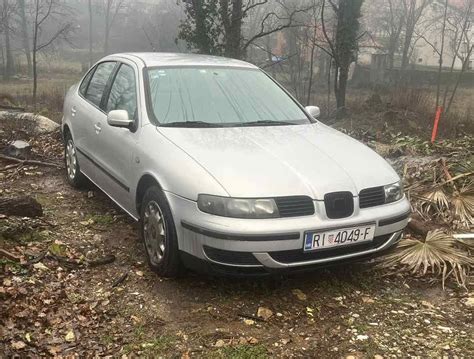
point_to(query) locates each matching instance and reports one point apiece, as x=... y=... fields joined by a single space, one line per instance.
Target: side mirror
x=314 y=111
x=119 y=118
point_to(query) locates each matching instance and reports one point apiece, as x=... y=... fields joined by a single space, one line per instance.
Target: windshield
x=219 y=97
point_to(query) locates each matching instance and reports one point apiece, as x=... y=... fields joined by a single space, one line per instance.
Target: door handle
x=73 y=111
x=98 y=128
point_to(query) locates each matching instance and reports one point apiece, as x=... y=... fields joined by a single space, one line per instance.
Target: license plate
x=338 y=237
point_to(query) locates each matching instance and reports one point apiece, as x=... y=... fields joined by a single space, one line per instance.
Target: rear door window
x=85 y=82
x=123 y=93
x=98 y=82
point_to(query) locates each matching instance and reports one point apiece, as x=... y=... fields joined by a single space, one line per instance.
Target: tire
x=158 y=233
x=73 y=171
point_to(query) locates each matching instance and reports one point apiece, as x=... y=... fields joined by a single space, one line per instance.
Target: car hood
x=273 y=161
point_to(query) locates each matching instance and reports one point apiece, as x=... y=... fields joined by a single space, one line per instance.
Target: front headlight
x=238 y=207
x=393 y=192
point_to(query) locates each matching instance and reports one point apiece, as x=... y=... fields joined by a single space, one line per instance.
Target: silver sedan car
x=224 y=169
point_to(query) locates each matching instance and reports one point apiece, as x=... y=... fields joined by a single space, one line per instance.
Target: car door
x=75 y=111
x=116 y=145
x=90 y=115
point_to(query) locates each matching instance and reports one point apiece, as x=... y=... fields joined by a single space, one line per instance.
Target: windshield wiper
x=195 y=124
x=266 y=123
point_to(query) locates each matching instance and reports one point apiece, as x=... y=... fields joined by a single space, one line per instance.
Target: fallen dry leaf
x=70 y=336
x=40 y=266
x=18 y=345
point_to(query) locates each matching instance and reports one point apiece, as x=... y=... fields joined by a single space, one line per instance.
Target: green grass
x=102 y=219
x=148 y=348
x=243 y=351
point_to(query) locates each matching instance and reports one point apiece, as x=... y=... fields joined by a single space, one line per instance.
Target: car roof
x=165 y=59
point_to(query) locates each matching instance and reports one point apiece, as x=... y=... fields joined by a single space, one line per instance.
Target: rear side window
x=97 y=84
x=85 y=82
x=123 y=94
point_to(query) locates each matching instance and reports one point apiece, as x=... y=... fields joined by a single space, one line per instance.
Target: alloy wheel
x=71 y=161
x=154 y=232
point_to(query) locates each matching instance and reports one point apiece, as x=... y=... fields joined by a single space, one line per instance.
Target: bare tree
x=413 y=12
x=454 y=31
x=215 y=26
x=6 y=13
x=342 y=43
x=112 y=9
x=441 y=52
x=385 y=20
x=24 y=35
x=44 y=12
x=89 y=6
x=461 y=36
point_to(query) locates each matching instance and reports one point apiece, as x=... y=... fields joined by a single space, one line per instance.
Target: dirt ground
x=58 y=301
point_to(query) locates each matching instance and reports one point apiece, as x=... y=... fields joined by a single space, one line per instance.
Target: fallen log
x=24 y=206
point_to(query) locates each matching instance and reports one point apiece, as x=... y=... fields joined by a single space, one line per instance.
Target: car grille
x=230 y=257
x=371 y=197
x=295 y=206
x=338 y=204
x=298 y=255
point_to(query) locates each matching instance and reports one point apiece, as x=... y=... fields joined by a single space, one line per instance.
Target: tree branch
x=54 y=37
x=250 y=7
x=428 y=42
x=264 y=32
x=323 y=24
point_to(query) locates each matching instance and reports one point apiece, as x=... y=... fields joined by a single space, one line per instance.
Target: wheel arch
x=66 y=131
x=145 y=182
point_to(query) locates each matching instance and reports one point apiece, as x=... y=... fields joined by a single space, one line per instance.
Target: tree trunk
x=90 y=33
x=233 y=46
x=440 y=67
x=406 y=48
x=463 y=68
x=204 y=44
x=25 y=206
x=9 y=68
x=311 y=72
x=107 y=27
x=35 y=50
x=341 y=91
x=25 y=37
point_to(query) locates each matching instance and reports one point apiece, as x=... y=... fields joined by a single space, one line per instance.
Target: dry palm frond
x=463 y=204
x=435 y=200
x=438 y=254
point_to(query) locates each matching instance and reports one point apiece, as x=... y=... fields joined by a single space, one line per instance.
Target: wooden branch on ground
x=5 y=254
x=10 y=167
x=30 y=162
x=120 y=280
x=36 y=259
x=24 y=206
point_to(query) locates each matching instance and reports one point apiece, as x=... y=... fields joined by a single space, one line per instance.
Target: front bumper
x=277 y=244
